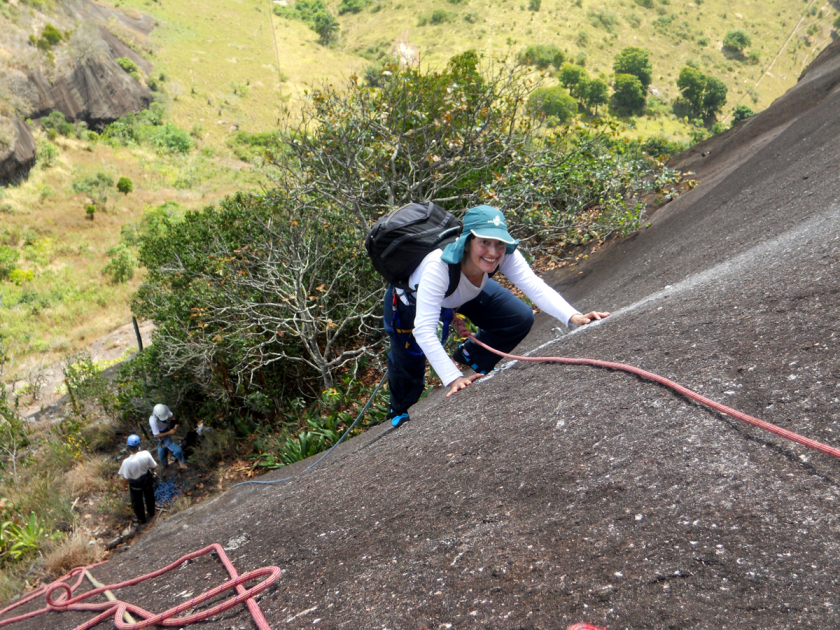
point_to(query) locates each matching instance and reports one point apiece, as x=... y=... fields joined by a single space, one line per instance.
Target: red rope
x=790 y=435
x=64 y=599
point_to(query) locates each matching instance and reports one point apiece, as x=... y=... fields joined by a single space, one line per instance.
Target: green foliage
x=662 y=148
x=272 y=293
x=597 y=93
x=629 y=95
x=127 y=64
x=315 y=14
x=572 y=76
x=18 y=541
x=742 y=112
x=171 y=139
x=326 y=26
x=634 y=61
x=125 y=185
x=647 y=4
x=542 y=56
x=8 y=261
x=705 y=95
x=121 y=266
x=714 y=97
x=248 y=146
x=736 y=41
x=99 y=186
x=553 y=101
x=87 y=388
x=534 y=5
x=691 y=83
x=52 y=34
x=20 y=276
x=836 y=23
x=90 y=211
x=438 y=16
x=56 y=121
x=603 y=19
x=134 y=129
x=351 y=6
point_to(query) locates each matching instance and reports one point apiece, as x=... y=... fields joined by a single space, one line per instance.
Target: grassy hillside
x=236 y=65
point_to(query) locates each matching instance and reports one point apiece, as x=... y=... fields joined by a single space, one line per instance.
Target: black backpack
x=400 y=240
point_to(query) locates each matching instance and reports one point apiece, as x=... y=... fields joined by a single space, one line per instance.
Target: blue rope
x=167 y=491
x=341 y=439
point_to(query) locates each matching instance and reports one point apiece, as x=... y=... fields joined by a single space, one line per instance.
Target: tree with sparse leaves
x=272 y=293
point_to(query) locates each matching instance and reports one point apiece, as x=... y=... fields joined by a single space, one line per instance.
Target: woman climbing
x=411 y=317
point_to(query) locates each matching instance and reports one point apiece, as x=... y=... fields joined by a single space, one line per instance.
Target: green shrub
x=635 y=61
x=52 y=34
x=171 y=138
x=8 y=260
x=56 y=121
x=351 y=6
x=19 y=276
x=90 y=211
x=629 y=95
x=553 y=101
x=125 y=185
x=603 y=19
x=647 y=4
x=836 y=23
x=742 y=112
x=661 y=147
x=127 y=64
x=542 y=56
x=736 y=41
x=47 y=153
x=534 y=5
x=248 y=146
x=121 y=266
x=441 y=16
x=99 y=186
x=315 y=14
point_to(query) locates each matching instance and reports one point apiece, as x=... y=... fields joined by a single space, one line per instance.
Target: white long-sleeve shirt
x=431 y=280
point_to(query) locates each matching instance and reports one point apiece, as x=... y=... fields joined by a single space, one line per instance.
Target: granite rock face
x=17 y=157
x=91 y=87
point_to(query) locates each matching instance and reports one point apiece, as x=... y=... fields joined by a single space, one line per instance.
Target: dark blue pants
x=503 y=321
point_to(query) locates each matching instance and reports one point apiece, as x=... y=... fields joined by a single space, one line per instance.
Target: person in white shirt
x=138 y=471
x=411 y=318
x=160 y=422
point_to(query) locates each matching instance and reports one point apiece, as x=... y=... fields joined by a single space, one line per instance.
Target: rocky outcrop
x=97 y=91
x=17 y=157
x=89 y=86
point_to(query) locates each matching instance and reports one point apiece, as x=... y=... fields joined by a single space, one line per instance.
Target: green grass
x=69 y=303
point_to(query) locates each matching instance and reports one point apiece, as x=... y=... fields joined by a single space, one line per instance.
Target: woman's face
x=484 y=254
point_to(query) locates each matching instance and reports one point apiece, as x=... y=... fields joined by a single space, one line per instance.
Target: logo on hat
x=496 y=221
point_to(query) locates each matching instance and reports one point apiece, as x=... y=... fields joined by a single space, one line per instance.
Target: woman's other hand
x=461 y=382
x=582 y=320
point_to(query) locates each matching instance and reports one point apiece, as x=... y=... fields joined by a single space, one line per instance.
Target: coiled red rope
x=610 y=365
x=59 y=597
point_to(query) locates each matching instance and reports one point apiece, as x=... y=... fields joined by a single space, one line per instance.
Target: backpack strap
x=454 y=278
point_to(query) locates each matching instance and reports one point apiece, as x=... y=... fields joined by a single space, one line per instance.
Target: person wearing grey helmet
x=137 y=470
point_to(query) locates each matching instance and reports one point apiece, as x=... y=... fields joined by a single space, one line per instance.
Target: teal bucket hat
x=481 y=222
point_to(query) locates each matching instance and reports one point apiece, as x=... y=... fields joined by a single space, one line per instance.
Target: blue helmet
x=133 y=440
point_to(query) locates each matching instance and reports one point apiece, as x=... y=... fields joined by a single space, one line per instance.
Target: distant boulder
x=17 y=150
